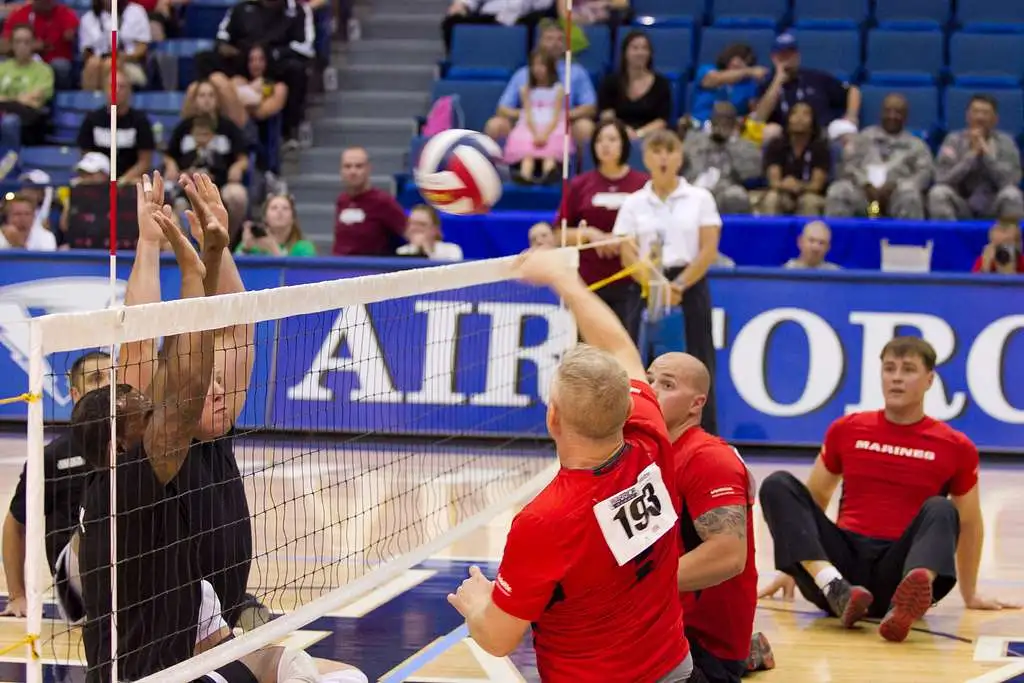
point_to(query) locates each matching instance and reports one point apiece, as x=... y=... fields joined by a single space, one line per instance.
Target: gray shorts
x=680 y=674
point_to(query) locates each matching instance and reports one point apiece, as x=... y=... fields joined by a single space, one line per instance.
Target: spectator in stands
x=591 y=207
x=133 y=38
x=505 y=12
x=92 y=169
x=734 y=77
x=796 y=165
x=539 y=134
x=369 y=220
x=1003 y=253
x=261 y=96
x=278 y=233
x=636 y=95
x=20 y=229
x=814 y=242
x=541 y=236
x=163 y=17
x=55 y=29
x=587 y=12
x=828 y=97
x=977 y=170
x=425 y=240
x=135 y=141
x=215 y=146
x=216 y=96
x=721 y=161
x=26 y=85
x=583 y=100
x=885 y=166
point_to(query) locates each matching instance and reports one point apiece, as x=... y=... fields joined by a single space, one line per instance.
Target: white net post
x=112 y=347
x=35 y=515
x=567 y=139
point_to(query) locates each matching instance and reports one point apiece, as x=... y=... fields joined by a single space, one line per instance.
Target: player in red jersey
x=590 y=560
x=716 y=575
x=910 y=517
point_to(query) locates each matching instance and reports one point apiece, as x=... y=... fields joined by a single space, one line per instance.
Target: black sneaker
x=849 y=603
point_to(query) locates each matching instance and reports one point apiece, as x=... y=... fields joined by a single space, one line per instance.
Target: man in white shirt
x=814 y=242
x=20 y=230
x=134 y=35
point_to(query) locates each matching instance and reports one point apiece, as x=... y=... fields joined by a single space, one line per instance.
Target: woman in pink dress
x=540 y=132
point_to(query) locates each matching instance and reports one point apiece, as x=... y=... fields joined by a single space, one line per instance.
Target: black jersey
x=158 y=581
x=66 y=474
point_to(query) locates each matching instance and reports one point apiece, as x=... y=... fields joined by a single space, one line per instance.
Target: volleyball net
x=300 y=493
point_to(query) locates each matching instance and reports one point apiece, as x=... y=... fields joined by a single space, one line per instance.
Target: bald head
x=682 y=383
x=814 y=243
x=686 y=369
x=589 y=396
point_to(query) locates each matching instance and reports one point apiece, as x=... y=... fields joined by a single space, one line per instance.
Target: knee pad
x=346 y=676
x=296 y=666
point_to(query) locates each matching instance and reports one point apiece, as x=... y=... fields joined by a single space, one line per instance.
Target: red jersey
x=890 y=470
x=591 y=559
x=56 y=29
x=367 y=224
x=596 y=200
x=710 y=474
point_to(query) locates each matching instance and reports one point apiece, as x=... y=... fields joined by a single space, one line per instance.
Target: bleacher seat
x=1010 y=103
x=836 y=52
x=79 y=100
x=749 y=13
x=922 y=103
x=49 y=158
x=714 y=39
x=159 y=102
x=986 y=61
x=478 y=99
x=904 y=57
x=185 y=49
x=486 y=52
x=203 y=17
x=598 y=56
x=66 y=124
x=669 y=12
x=829 y=14
x=992 y=16
x=913 y=15
x=672 y=46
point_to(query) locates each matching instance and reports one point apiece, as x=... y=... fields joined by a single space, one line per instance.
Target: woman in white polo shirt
x=683 y=221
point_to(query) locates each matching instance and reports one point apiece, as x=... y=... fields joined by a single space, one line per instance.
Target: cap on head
x=94 y=162
x=785 y=41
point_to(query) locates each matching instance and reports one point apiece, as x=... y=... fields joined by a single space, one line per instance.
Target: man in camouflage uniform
x=905 y=158
x=977 y=169
x=722 y=161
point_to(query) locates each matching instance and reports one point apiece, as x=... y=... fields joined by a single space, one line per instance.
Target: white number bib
x=633 y=519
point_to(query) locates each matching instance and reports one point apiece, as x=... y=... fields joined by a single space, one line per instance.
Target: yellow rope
x=22 y=398
x=625 y=272
x=30 y=639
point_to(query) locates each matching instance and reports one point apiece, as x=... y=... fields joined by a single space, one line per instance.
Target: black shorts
x=235 y=672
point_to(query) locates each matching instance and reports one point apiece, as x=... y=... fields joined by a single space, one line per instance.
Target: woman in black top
x=636 y=95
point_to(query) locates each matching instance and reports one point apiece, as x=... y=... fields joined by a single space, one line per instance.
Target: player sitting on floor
x=65 y=473
x=590 y=560
x=717 y=577
x=900 y=542
x=216 y=506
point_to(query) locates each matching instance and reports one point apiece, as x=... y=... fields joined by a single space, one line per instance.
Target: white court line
x=1000 y=675
x=385 y=593
x=443 y=679
x=993 y=649
x=498 y=670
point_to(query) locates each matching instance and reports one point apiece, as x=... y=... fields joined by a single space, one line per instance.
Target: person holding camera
x=277 y=233
x=1003 y=252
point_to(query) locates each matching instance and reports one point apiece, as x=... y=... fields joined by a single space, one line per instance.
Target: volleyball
x=457 y=172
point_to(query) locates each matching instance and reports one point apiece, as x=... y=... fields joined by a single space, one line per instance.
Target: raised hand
x=206 y=203
x=542 y=267
x=188 y=258
x=149 y=201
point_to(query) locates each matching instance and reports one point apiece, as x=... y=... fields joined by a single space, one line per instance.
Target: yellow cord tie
x=30 y=639
x=21 y=398
x=625 y=272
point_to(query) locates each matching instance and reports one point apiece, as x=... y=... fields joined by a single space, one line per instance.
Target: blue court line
x=426 y=655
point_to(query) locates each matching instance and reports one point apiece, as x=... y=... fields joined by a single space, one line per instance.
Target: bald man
x=814 y=242
x=716 y=576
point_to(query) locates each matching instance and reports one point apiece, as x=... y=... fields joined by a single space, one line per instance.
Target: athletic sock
x=826 y=576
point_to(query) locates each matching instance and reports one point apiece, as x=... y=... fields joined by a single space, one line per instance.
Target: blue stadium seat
x=904 y=57
x=669 y=12
x=478 y=99
x=79 y=100
x=185 y=49
x=1010 y=102
x=922 y=103
x=992 y=16
x=836 y=52
x=66 y=124
x=672 y=46
x=749 y=13
x=829 y=14
x=159 y=102
x=913 y=15
x=84 y=5
x=714 y=40
x=203 y=17
x=61 y=158
x=986 y=61
x=486 y=52
x=598 y=55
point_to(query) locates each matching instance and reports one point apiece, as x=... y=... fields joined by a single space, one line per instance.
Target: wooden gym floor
x=405 y=631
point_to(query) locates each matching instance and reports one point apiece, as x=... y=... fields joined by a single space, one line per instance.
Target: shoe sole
x=913 y=598
x=765 y=654
x=857 y=607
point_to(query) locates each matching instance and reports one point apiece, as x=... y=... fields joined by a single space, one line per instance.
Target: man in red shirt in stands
x=716 y=576
x=368 y=220
x=591 y=560
x=56 y=29
x=910 y=520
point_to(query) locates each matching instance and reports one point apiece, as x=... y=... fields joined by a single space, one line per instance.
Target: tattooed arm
x=722 y=553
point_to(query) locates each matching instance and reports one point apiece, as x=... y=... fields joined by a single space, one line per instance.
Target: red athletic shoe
x=761 y=657
x=912 y=599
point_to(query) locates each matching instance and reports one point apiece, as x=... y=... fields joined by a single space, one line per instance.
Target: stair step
x=322 y=189
x=365 y=132
x=398 y=78
x=403 y=25
x=379 y=54
x=372 y=103
x=323 y=161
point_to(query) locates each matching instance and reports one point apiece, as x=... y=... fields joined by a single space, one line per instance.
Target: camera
x=258 y=230
x=1006 y=254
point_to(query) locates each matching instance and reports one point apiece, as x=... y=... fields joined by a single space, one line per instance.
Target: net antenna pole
x=567 y=138
x=35 y=527
x=113 y=347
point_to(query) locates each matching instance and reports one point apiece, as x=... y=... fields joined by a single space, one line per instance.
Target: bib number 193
x=634 y=519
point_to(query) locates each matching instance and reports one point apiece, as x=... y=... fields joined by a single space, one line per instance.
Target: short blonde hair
x=663 y=139
x=591 y=392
